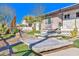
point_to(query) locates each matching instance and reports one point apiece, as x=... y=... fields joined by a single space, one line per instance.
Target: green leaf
x=76 y=43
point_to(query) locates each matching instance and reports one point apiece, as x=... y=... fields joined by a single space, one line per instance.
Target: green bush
x=76 y=43
x=65 y=37
x=16 y=31
x=30 y=32
x=33 y=32
x=7 y=36
x=22 y=25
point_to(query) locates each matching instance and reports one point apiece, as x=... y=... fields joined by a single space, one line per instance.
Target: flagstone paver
x=51 y=43
x=43 y=44
x=67 y=52
x=4 y=52
x=13 y=40
x=18 y=48
x=2 y=44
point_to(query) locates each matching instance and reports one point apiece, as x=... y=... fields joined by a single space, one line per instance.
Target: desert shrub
x=33 y=32
x=65 y=37
x=7 y=36
x=22 y=25
x=74 y=32
x=76 y=43
x=16 y=31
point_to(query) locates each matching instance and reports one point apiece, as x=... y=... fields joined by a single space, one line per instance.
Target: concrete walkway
x=51 y=43
x=67 y=52
x=45 y=44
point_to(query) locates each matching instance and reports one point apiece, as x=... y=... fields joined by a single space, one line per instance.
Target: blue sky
x=23 y=9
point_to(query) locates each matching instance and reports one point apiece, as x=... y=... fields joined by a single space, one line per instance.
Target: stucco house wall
x=43 y=25
x=55 y=22
x=68 y=24
x=53 y=25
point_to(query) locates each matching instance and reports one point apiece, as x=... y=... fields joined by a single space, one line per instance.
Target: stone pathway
x=44 y=44
x=51 y=43
x=67 y=52
x=4 y=48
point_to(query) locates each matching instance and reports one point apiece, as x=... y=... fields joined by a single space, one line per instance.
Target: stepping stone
x=4 y=52
x=2 y=44
x=31 y=40
x=46 y=44
x=12 y=41
x=49 y=44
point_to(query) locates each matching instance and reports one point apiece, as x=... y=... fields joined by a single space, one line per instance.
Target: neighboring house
x=26 y=27
x=66 y=16
x=36 y=26
x=24 y=22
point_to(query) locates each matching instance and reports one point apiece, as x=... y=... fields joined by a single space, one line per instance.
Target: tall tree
x=29 y=19
x=7 y=13
x=13 y=23
x=6 y=16
x=1 y=18
x=38 y=11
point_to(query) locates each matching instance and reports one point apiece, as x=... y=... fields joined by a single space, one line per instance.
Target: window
x=77 y=14
x=49 y=20
x=67 y=16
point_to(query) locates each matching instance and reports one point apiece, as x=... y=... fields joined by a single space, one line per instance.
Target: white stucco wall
x=68 y=24
x=37 y=26
x=55 y=22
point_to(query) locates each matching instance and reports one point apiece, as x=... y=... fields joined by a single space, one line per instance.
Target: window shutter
x=49 y=20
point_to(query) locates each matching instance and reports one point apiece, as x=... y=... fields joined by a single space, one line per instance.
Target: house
x=26 y=26
x=24 y=22
x=66 y=16
x=35 y=25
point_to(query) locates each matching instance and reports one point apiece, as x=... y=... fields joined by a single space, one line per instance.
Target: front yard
x=22 y=50
x=40 y=44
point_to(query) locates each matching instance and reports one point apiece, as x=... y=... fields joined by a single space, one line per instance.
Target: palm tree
x=29 y=19
x=38 y=12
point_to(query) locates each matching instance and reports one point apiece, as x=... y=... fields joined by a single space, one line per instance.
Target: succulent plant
x=76 y=43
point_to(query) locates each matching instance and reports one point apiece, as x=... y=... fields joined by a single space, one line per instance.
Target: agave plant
x=3 y=28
